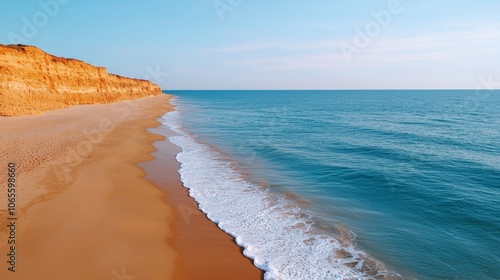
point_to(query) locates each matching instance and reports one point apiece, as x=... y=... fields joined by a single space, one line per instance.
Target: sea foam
x=275 y=232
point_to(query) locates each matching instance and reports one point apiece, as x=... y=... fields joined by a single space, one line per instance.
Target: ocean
x=385 y=184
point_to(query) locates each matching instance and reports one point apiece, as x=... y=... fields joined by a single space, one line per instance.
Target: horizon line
x=408 y=89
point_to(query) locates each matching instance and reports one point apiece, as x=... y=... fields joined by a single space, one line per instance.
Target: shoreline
x=93 y=214
x=221 y=258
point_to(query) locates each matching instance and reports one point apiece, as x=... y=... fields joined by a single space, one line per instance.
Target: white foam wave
x=275 y=232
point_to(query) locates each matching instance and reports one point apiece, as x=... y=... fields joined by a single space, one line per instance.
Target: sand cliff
x=32 y=81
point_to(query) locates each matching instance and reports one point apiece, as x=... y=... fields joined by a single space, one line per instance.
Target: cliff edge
x=32 y=81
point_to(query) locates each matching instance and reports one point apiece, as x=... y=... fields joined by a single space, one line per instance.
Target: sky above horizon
x=292 y=44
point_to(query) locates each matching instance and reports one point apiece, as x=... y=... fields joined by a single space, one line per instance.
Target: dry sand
x=84 y=208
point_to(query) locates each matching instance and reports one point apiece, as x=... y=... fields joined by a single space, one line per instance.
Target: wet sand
x=202 y=251
x=85 y=210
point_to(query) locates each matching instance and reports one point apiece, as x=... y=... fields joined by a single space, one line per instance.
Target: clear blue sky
x=281 y=44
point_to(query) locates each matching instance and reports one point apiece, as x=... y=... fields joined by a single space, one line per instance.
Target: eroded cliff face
x=32 y=81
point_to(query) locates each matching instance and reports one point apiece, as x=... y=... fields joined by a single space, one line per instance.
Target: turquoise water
x=411 y=178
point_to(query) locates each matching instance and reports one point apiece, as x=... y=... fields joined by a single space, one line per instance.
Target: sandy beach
x=202 y=251
x=86 y=210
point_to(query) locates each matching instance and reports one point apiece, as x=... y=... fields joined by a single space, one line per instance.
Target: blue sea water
x=348 y=184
